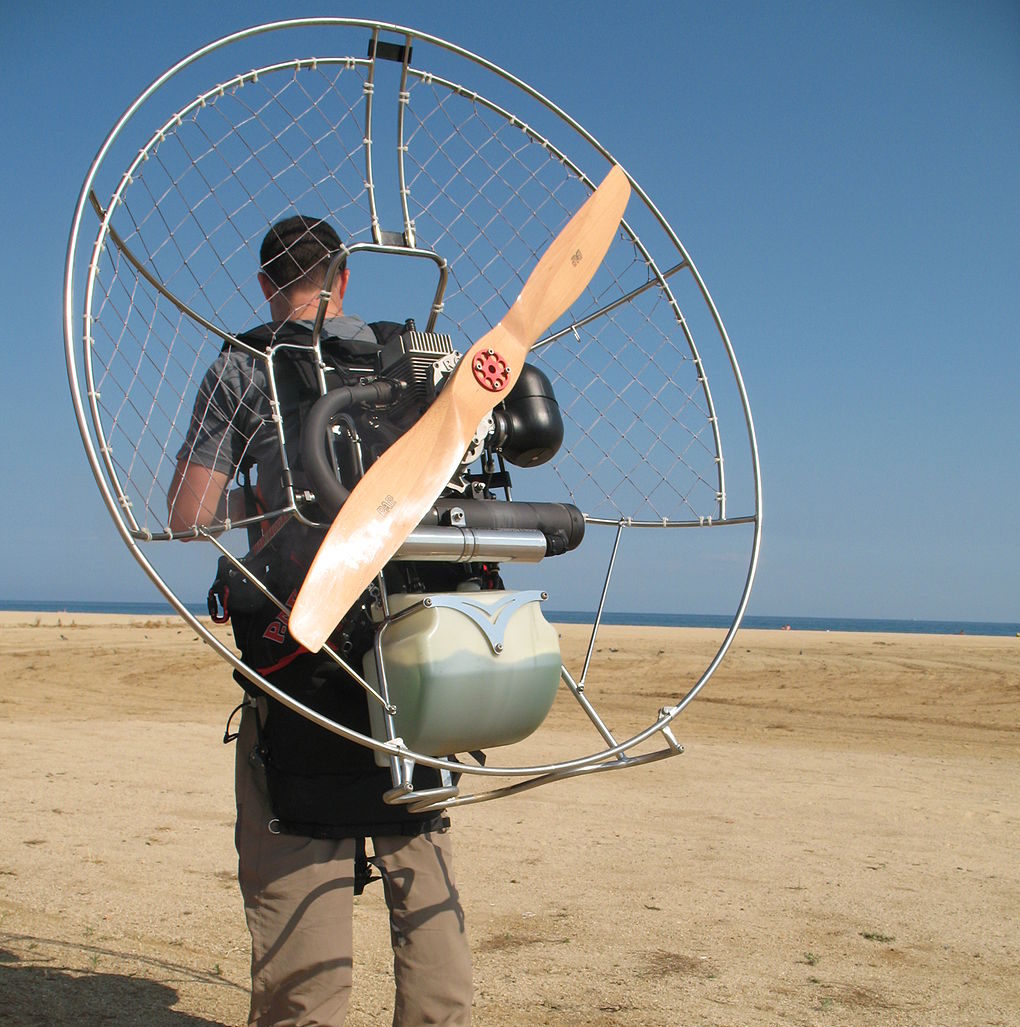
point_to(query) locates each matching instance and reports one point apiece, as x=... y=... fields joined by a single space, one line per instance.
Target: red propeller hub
x=491 y=371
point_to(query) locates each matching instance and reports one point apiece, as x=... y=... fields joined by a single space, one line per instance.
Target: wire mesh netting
x=175 y=274
x=481 y=185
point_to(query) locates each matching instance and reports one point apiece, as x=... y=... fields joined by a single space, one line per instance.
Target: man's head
x=295 y=256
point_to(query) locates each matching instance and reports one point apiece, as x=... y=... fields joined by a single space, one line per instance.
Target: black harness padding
x=320 y=784
x=347 y=363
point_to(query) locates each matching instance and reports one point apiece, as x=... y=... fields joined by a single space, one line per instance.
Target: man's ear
x=342 y=280
x=268 y=289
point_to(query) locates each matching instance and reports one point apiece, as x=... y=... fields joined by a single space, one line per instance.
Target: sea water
x=658 y=620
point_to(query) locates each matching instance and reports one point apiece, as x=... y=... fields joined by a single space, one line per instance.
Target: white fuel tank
x=465 y=670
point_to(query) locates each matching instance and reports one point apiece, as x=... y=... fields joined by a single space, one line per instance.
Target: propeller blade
x=398 y=489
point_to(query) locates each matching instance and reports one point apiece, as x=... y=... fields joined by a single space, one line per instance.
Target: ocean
x=666 y=620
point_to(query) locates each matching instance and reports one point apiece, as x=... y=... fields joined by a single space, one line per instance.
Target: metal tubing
x=571 y=328
x=602 y=603
x=578 y=692
x=467 y=545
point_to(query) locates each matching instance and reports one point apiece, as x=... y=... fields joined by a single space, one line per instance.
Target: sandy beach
x=837 y=845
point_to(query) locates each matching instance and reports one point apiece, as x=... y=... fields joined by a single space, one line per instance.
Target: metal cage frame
x=94 y=419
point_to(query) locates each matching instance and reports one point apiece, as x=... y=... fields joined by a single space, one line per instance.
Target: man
x=305 y=797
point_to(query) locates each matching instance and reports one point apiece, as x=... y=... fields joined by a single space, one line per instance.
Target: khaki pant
x=298 y=901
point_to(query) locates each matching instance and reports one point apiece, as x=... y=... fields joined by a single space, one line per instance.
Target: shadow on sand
x=34 y=995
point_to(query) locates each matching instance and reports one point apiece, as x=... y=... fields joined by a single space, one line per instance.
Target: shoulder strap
x=297 y=376
x=260 y=338
x=355 y=350
x=387 y=331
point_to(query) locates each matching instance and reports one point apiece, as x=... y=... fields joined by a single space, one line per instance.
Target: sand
x=837 y=845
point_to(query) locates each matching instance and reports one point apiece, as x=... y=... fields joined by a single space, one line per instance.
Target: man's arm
x=196 y=497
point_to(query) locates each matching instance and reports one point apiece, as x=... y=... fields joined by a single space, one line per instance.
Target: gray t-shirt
x=232 y=420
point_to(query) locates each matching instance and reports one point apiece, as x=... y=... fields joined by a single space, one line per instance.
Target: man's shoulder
x=348 y=327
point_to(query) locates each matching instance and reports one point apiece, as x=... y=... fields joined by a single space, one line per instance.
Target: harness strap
x=362 y=867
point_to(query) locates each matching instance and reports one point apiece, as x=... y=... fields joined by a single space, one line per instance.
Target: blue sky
x=844 y=176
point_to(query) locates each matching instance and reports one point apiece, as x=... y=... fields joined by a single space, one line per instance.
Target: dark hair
x=298 y=247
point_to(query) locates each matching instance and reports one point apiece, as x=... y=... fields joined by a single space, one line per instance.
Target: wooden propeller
x=398 y=489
